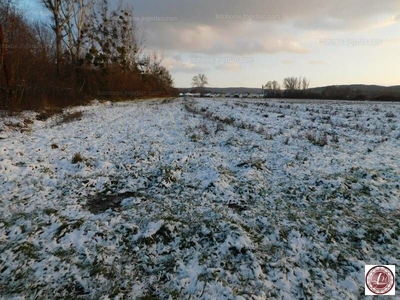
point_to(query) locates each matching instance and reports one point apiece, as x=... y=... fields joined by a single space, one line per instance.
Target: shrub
x=335 y=138
x=390 y=115
x=321 y=140
x=228 y=120
x=68 y=118
x=77 y=158
x=48 y=113
x=220 y=127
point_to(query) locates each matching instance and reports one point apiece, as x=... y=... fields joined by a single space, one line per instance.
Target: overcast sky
x=247 y=43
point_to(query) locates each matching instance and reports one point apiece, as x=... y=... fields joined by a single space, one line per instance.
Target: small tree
x=199 y=81
x=296 y=86
x=272 y=87
x=305 y=82
x=276 y=86
x=291 y=83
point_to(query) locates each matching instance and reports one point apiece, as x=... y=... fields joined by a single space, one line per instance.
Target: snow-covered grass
x=199 y=198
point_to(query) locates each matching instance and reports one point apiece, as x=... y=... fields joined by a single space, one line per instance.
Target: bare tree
x=70 y=21
x=131 y=39
x=61 y=11
x=291 y=83
x=7 y=8
x=96 y=35
x=150 y=64
x=4 y=63
x=14 y=55
x=76 y=27
x=45 y=40
x=272 y=88
x=113 y=37
x=268 y=85
x=164 y=78
x=199 y=81
x=276 y=86
x=305 y=83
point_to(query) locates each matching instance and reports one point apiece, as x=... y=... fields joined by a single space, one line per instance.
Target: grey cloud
x=213 y=41
x=197 y=28
x=230 y=67
x=177 y=65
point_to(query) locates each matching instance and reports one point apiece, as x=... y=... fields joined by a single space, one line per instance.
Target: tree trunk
x=58 y=46
x=6 y=67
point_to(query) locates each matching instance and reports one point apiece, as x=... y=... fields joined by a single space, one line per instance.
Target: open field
x=200 y=199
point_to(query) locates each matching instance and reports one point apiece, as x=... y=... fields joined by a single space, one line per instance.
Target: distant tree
x=199 y=81
x=296 y=87
x=291 y=84
x=272 y=87
x=304 y=83
x=276 y=86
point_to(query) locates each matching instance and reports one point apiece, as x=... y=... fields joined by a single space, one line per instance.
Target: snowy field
x=199 y=199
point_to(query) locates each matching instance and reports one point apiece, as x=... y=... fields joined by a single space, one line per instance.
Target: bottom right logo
x=380 y=280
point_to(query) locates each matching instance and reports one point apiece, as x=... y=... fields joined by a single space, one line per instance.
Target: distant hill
x=367 y=90
x=363 y=88
x=395 y=88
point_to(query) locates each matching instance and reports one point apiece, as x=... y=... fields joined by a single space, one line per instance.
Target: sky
x=238 y=43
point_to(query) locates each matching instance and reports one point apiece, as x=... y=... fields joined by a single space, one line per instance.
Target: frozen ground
x=208 y=199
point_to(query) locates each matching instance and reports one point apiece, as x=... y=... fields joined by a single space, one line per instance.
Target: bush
x=37 y=81
x=77 y=158
x=321 y=140
x=390 y=115
x=68 y=118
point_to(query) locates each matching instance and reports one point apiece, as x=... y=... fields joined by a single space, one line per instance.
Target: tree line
x=298 y=87
x=294 y=87
x=85 y=50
